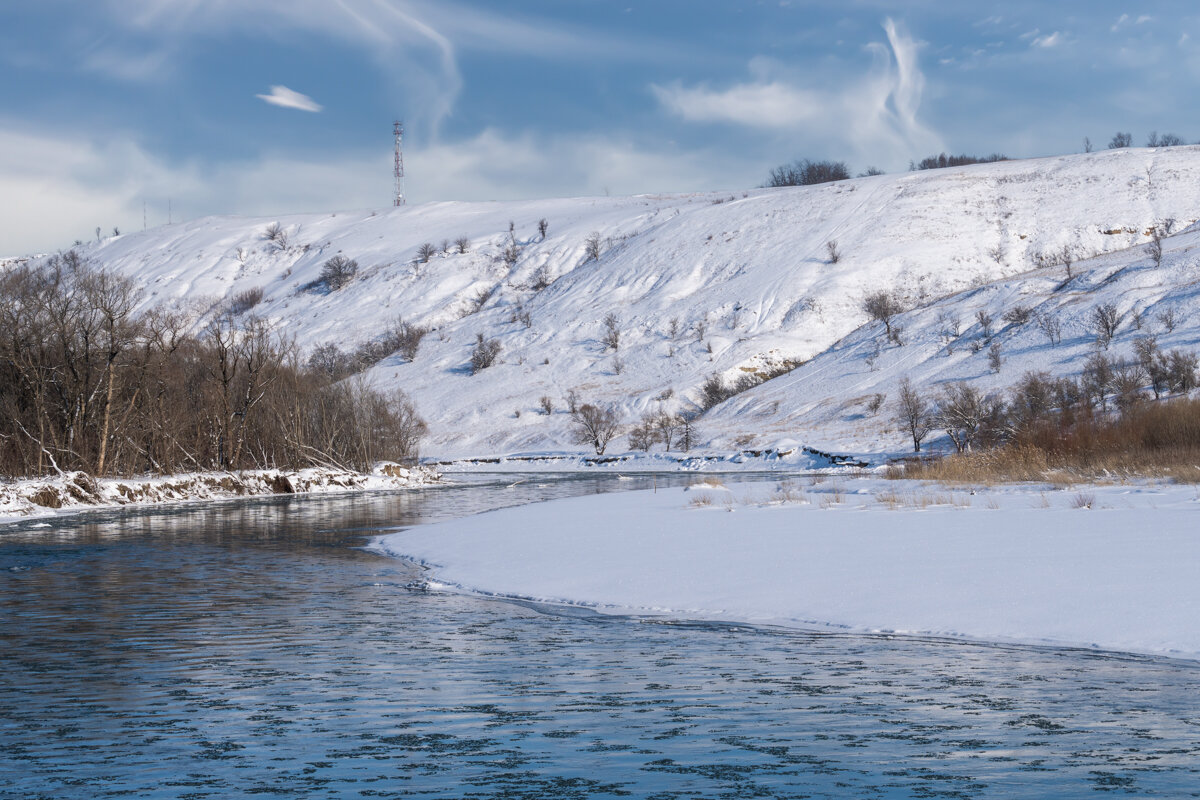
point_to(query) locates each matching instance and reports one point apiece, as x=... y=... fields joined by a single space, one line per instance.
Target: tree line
x=89 y=382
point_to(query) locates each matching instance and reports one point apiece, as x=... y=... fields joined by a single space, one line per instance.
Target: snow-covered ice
x=1114 y=567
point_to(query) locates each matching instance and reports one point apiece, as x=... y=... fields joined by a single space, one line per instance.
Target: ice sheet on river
x=1114 y=567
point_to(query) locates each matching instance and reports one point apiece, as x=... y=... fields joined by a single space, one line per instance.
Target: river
x=246 y=649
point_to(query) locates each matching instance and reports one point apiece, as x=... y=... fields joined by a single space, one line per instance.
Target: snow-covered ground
x=76 y=491
x=726 y=283
x=1111 y=567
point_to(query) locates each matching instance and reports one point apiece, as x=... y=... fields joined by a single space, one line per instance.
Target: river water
x=237 y=650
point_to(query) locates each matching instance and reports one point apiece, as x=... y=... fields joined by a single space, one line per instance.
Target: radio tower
x=398 y=130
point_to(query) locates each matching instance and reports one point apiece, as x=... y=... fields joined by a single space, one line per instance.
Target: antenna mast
x=398 y=130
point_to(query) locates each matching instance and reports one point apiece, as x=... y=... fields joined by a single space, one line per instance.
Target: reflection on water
x=232 y=650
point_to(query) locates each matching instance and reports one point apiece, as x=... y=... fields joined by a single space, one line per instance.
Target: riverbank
x=1111 y=567
x=76 y=491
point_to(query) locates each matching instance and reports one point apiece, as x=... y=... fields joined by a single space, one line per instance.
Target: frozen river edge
x=1112 y=567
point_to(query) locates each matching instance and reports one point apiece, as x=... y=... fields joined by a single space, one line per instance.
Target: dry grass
x=1083 y=500
x=1157 y=440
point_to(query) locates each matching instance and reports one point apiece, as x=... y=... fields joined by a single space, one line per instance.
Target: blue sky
x=106 y=105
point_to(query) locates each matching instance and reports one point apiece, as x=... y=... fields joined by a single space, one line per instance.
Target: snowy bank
x=76 y=491
x=1112 y=567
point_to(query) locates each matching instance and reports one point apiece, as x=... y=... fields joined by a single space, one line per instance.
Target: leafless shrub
x=480 y=299
x=425 y=252
x=519 y=314
x=618 y=365
x=484 y=354
x=546 y=404
x=1018 y=315
x=995 y=360
x=277 y=235
x=876 y=402
x=572 y=401
x=808 y=173
x=542 y=227
x=835 y=255
x=949 y=327
x=338 y=271
x=511 y=254
x=1168 y=319
x=244 y=301
x=1120 y=140
x=463 y=244
x=542 y=277
x=942 y=160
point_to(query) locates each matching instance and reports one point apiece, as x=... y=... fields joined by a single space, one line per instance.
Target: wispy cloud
x=284 y=97
x=1050 y=40
x=878 y=113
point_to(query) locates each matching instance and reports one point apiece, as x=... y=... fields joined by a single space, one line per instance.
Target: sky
x=120 y=113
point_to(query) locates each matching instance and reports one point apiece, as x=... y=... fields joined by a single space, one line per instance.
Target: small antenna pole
x=398 y=131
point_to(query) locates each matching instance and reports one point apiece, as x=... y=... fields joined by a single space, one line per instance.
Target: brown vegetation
x=1147 y=439
x=89 y=383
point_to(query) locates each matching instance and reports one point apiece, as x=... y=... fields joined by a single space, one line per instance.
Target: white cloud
x=1121 y=20
x=1052 y=40
x=60 y=186
x=284 y=97
x=877 y=114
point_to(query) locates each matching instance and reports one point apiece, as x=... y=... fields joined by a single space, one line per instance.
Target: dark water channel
x=250 y=649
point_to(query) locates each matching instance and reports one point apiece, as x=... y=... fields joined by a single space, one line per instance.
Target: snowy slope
x=826 y=402
x=750 y=268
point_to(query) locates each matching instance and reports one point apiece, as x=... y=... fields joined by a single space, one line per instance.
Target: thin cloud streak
x=878 y=113
x=284 y=97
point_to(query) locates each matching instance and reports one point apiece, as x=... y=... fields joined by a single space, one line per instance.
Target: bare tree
x=542 y=227
x=1051 y=327
x=612 y=332
x=1067 y=256
x=667 y=427
x=881 y=306
x=1156 y=245
x=967 y=415
x=1087 y=144
x=547 y=405
x=995 y=360
x=644 y=434
x=592 y=247
x=913 y=413
x=463 y=244
x=1105 y=320
x=687 y=431
x=985 y=321
x=595 y=426
x=425 y=252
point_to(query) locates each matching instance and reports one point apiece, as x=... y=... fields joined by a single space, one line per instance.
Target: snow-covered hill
x=702 y=284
